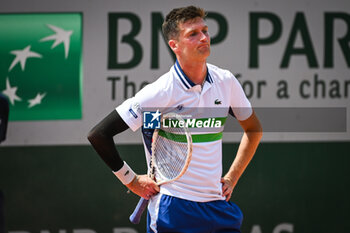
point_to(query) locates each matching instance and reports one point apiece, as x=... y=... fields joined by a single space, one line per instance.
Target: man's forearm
x=101 y=138
x=247 y=148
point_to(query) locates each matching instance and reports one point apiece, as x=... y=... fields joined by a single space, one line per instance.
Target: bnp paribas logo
x=41 y=65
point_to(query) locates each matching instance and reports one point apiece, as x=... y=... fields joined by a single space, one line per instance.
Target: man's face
x=193 y=42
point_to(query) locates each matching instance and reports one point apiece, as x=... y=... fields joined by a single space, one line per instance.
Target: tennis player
x=199 y=201
x=4 y=114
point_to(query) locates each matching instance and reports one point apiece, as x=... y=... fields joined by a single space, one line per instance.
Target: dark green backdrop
x=67 y=188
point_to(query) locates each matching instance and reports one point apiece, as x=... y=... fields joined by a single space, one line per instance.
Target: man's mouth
x=204 y=46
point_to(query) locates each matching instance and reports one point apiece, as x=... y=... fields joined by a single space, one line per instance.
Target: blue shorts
x=171 y=214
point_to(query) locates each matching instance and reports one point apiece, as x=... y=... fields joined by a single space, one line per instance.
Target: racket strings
x=169 y=159
x=171 y=153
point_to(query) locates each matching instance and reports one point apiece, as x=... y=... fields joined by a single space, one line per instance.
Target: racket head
x=171 y=149
x=174 y=141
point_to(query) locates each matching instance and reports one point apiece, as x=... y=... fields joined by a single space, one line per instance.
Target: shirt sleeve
x=152 y=97
x=240 y=104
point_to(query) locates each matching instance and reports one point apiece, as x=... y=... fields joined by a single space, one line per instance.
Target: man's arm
x=249 y=143
x=101 y=138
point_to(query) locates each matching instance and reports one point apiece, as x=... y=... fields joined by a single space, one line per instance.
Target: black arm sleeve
x=101 y=138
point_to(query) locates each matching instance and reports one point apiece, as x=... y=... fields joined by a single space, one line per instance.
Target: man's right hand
x=143 y=186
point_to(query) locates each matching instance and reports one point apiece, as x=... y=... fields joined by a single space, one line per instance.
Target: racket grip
x=135 y=217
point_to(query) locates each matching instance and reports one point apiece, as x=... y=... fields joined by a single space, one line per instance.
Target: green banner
x=287 y=188
x=41 y=65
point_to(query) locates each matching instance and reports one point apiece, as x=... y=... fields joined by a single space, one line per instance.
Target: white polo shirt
x=174 y=92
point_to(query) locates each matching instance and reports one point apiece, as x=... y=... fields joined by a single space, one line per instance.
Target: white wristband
x=125 y=174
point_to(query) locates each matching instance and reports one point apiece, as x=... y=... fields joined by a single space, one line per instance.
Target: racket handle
x=135 y=217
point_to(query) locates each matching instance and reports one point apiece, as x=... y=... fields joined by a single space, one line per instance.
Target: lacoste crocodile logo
x=217 y=102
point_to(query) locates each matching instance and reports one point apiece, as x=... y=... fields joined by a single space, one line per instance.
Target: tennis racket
x=171 y=154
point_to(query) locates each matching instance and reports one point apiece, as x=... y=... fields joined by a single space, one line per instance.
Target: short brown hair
x=171 y=23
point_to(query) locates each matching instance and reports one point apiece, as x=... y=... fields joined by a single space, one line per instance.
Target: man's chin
x=204 y=51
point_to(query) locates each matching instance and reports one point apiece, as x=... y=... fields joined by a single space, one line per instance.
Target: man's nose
x=204 y=37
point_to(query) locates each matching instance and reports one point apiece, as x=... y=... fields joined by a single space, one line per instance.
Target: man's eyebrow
x=195 y=29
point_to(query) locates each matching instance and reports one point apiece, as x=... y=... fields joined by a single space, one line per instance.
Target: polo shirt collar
x=186 y=82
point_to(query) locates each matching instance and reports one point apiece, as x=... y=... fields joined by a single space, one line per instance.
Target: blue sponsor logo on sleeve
x=133 y=113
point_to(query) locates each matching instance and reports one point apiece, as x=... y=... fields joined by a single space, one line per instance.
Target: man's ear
x=173 y=45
